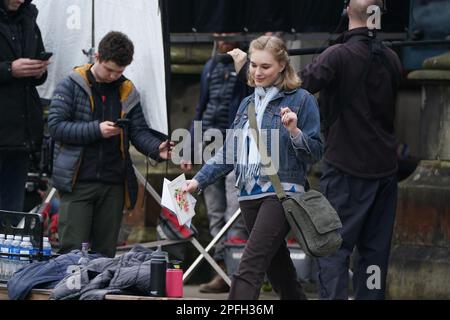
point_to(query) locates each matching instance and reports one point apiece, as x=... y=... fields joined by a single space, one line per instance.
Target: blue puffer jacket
x=71 y=126
x=43 y=274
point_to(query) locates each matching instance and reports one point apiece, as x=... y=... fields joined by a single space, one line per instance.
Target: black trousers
x=367 y=211
x=265 y=252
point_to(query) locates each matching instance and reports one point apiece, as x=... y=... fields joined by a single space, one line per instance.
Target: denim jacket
x=292 y=160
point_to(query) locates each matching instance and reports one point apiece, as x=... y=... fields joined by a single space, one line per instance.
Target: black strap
x=332 y=117
x=395 y=76
x=376 y=49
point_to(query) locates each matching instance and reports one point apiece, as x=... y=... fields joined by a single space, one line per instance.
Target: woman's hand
x=239 y=57
x=289 y=120
x=191 y=186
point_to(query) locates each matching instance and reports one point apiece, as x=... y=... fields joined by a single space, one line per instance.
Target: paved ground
x=192 y=291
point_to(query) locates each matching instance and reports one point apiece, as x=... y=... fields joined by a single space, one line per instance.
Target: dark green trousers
x=92 y=213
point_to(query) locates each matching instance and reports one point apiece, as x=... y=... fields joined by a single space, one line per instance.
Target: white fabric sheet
x=66 y=27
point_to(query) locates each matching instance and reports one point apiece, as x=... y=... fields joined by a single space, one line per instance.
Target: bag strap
x=271 y=172
x=375 y=50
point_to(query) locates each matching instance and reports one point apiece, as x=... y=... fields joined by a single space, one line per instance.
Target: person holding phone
x=92 y=168
x=21 y=121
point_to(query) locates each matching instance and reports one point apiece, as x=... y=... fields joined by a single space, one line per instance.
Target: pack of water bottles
x=21 y=242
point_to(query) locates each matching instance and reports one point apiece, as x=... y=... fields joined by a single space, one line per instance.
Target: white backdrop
x=66 y=27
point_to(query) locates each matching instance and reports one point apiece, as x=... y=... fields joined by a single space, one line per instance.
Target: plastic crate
x=304 y=264
x=23 y=224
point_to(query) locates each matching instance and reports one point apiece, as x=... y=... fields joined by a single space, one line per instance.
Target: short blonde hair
x=289 y=79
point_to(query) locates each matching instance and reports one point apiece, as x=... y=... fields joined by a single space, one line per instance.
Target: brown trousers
x=265 y=252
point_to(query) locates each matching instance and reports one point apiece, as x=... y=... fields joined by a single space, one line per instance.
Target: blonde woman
x=290 y=112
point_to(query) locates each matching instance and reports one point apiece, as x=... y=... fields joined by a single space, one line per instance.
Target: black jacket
x=21 y=117
x=102 y=160
x=361 y=142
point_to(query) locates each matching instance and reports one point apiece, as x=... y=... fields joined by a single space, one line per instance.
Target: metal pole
x=165 y=25
x=93 y=25
x=50 y=196
x=148 y=186
x=391 y=44
x=204 y=253
x=211 y=245
x=90 y=53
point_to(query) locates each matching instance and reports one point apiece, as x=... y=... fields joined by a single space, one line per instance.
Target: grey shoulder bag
x=314 y=222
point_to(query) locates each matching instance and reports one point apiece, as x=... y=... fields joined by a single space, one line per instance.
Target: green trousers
x=92 y=213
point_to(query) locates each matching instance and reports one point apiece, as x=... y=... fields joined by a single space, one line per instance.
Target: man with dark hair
x=114 y=46
x=94 y=114
x=21 y=120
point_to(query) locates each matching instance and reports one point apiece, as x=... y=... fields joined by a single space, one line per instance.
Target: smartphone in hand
x=44 y=56
x=122 y=123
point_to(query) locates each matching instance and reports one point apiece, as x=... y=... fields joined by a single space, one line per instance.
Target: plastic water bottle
x=26 y=248
x=46 y=249
x=158 y=266
x=84 y=260
x=2 y=240
x=5 y=248
x=15 y=249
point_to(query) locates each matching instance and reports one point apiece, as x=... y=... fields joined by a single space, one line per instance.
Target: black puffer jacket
x=21 y=118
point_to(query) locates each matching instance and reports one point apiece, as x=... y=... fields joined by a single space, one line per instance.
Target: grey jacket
x=126 y=274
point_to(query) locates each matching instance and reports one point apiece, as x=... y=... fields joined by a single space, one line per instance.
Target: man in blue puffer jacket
x=92 y=166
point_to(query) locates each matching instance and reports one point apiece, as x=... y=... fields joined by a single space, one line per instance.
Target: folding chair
x=203 y=252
